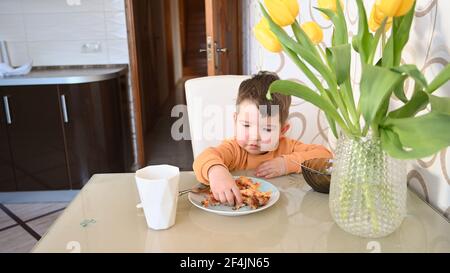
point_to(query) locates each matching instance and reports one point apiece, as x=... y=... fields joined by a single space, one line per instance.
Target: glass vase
x=368 y=188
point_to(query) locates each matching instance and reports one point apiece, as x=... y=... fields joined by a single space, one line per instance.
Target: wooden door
x=36 y=138
x=7 y=182
x=223 y=30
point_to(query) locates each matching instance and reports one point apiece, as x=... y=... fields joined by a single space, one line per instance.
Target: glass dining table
x=104 y=218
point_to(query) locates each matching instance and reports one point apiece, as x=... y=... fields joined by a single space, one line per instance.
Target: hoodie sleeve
x=300 y=152
x=227 y=155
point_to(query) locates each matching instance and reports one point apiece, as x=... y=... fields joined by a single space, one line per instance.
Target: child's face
x=256 y=133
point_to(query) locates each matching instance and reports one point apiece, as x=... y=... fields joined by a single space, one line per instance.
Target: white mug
x=158 y=190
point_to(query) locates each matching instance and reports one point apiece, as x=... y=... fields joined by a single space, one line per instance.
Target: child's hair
x=255 y=90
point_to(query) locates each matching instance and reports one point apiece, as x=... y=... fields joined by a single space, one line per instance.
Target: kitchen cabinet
x=56 y=136
x=36 y=138
x=6 y=165
x=92 y=129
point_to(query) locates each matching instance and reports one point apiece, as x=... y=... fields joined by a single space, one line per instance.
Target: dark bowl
x=317 y=173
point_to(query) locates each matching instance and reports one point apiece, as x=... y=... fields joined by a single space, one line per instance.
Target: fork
x=196 y=189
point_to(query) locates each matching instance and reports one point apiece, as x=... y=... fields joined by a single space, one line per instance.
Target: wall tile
x=65 y=53
x=114 y=5
x=50 y=6
x=12 y=27
x=10 y=6
x=52 y=32
x=118 y=51
x=65 y=27
x=115 y=25
x=18 y=53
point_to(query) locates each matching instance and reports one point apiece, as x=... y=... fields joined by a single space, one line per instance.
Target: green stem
x=375 y=131
x=343 y=109
x=376 y=41
x=350 y=101
x=324 y=56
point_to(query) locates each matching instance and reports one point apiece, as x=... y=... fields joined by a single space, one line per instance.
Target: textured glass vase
x=368 y=188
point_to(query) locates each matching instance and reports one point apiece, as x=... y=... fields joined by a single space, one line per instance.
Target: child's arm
x=224 y=155
x=303 y=152
x=212 y=167
x=291 y=159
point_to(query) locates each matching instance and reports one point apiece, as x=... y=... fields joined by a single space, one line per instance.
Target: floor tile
x=41 y=225
x=32 y=210
x=16 y=240
x=5 y=220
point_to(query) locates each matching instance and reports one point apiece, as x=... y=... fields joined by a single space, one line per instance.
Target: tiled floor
x=22 y=225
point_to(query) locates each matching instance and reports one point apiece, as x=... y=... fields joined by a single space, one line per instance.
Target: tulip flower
x=266 y=37
x=394 y=8
x=282 y=12
x=328 y=4
x=376 y=19
x=313 y=31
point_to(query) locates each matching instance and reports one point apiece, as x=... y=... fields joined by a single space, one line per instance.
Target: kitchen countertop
x=299 y=222
x=65 y=75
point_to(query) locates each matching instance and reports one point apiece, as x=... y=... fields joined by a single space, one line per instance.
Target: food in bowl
x=251 y=195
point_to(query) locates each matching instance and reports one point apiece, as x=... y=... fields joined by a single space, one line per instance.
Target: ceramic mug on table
x=158 y=190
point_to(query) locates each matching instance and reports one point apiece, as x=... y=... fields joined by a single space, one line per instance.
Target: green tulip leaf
x=440 y=79
x=362 y=41
x=303 y=39
x=412 y=71
x=301 y=91
x=416 y=137
x=401 y=29
x=376 y=87
x=439 y=104
x=339 y=57
x=340 y=33
x=417 y=103
x=399 y=92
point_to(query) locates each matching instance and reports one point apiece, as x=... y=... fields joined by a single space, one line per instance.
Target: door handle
x=222 y=50
x=218 y=51
x=7 y=111
x=64 y=109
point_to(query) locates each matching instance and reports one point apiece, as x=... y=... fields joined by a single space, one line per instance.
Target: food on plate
x=251 y=195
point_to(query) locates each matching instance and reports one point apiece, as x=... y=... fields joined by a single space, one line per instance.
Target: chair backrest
x=219 y=94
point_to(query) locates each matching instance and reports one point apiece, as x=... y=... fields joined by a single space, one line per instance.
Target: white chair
x=219 y=93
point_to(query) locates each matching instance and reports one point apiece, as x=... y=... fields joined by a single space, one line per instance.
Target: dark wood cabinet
x=92 y=129
x=60 y=135
x=36 y=138
x=6 y=164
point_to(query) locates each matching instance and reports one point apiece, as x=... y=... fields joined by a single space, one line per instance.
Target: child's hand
x=272 y=168
x=223 y=186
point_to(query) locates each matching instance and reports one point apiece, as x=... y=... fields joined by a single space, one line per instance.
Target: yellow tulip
x=329 y=4
x=376 y=19
x=405 y=7
x=313 y=31
x=394 y=8
x=266 y=37
x=282 y=12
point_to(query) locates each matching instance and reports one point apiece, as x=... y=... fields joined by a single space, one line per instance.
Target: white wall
x=53 y=32
x=428 y=49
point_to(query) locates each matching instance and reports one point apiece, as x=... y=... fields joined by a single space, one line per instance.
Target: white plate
x=197 y=198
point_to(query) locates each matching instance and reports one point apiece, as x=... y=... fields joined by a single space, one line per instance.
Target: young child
x=259 y=142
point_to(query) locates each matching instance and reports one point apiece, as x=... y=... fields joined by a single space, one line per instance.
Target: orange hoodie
x=230 y=155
